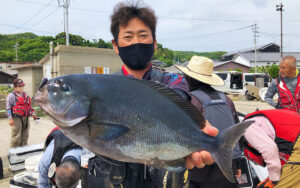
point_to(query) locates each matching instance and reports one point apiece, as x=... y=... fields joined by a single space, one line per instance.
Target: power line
x=221 y=20
x=89 y=10
x=34 y=2
x=205 y=19
x=24 y=28
x=36 y=14
x=45 y=17
x=74 y=8
x=211 y=34
x=217 y=44
x=162 y=17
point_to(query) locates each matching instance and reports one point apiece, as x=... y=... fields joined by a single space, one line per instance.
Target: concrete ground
x=38 y=132
x=246 y=107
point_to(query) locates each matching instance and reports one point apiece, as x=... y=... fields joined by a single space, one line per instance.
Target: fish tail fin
x=229 y=138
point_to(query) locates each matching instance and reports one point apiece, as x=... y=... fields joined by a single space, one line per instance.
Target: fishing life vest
x=220 y=115
x=22 y=106
x=286 y=98
x=216 y=110
x=156 y=75
x=62 y=145
x=287 y=130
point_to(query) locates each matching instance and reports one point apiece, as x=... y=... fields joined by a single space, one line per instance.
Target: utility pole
x=254 y=30
x=51 y=59
x=280 y=8
x=66 y=4
x=16 y=49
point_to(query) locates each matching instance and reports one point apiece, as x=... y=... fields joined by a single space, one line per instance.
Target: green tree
x=33 y=50
x=6 y=56
x=183 y=56
x=274 y=71
x=102 y=44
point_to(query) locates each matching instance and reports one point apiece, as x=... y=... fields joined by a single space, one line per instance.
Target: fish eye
x=66 y=88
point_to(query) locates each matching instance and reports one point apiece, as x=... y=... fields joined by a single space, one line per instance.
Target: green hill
x=32 y=48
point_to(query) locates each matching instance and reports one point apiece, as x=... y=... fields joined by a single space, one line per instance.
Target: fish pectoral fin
x=176 y=165
x=106 y=131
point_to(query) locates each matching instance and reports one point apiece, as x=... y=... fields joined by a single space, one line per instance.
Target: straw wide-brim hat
x=201 y=69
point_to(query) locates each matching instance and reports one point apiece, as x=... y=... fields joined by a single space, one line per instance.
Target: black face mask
x=137 y=56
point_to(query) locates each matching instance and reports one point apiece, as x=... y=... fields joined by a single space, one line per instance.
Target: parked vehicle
x=251 y=78
x=233 y=81
x=236 y=82
x=255 y=85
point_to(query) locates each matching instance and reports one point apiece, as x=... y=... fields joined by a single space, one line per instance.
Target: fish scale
x=132 y=120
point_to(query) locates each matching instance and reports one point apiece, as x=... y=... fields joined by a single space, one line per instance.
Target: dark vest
x=219 y=114
x=156 y=75
x=62 y=145
x=107 y=173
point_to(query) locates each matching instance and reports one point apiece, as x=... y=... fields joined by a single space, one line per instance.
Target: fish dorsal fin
x=182 y=103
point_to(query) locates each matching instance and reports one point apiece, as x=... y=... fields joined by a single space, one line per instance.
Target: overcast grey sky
x=189 y=25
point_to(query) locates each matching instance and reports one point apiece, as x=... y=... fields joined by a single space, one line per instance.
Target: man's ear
x=155 y=45
x=114 y=43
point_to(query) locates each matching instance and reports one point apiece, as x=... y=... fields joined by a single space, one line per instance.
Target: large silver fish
x=133 y=120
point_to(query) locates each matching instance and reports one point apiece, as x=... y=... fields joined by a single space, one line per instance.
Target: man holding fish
x=150 y=128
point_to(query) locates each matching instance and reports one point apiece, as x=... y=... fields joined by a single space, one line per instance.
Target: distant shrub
x=274 y=71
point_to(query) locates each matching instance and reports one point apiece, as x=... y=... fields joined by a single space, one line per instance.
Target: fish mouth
x=41 y=99
x=41 y=94
x=58 y=115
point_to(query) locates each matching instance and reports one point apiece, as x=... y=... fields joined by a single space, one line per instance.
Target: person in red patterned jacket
x=18 y=110
x=287 y=86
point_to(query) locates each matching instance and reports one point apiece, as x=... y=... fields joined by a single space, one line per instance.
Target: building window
x=9 y=66
x=0 y=67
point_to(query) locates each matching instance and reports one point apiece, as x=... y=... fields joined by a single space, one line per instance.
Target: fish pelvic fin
x=229 y=138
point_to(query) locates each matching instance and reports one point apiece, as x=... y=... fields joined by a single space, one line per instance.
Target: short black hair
x=123 y=13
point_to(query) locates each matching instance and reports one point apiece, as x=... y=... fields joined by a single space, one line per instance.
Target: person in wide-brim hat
x=218 y=109
x=201 y=69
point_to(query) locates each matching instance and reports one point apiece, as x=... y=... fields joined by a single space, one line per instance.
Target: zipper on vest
x=145 y=172
x=165 y=180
